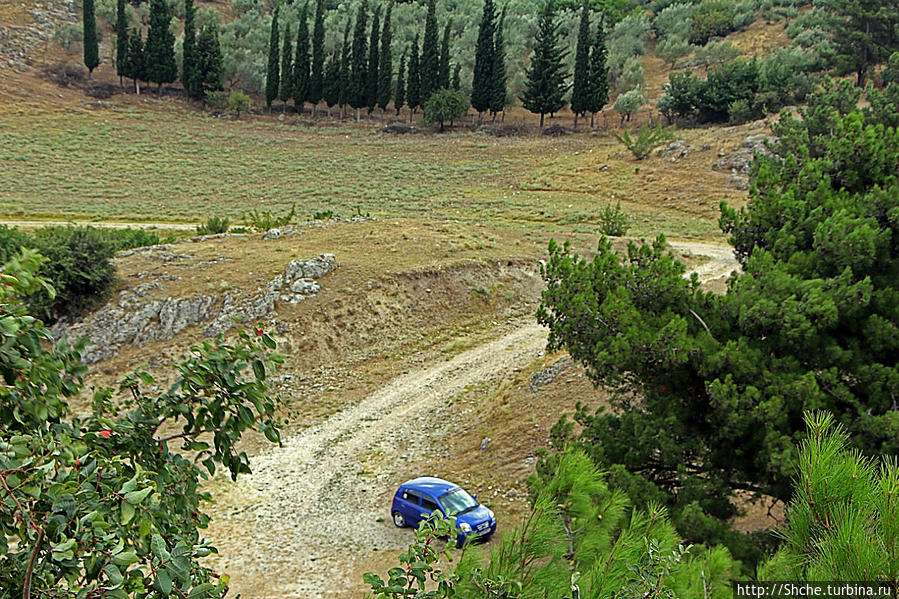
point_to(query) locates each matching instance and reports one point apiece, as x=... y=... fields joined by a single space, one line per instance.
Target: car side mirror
x=475 y=496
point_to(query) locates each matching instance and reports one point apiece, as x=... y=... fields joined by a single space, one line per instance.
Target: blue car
x=418 y=498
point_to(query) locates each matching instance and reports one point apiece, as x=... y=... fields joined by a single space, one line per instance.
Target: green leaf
x=259 y=370
x=127 y=513
x=135 y=497
x=125 y=558
x=158 y=547
x=272 y=434
x=114 y=574
x=268 y=342
x=163 y=583
x=201 y=589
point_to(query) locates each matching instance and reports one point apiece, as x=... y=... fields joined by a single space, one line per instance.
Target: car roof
x=431 y=485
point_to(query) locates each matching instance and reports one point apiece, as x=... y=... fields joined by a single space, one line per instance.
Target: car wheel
x=398 y=520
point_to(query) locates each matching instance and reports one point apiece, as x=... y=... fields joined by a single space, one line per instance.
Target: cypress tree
x=443 y=76
x=121 y=38
x=209 y=67
x=429 y=62
x=413 y=80
x=481 y=88
x=385 y=64
x=345 y=74
x=135 y=65
x=371 y=82
x=358 y=70
x=159 y=56
x=188 y=60
x=316 y=76
x=545 y=87
x=399 y=98
x=331 y=83
x=301 y=77
x=498 y=90
x=580 y=91
x=273 y=79
x=457 y=79
x=599 y=74
x=91 y=50
x=286 y=88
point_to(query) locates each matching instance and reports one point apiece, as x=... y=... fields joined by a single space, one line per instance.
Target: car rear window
x=428 y=504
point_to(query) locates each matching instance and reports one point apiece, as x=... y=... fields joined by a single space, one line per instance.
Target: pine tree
x=302 y=84
x=159 y=55
x=481 y=83
x=863 y=33
x=121 y=31
x=331 y=83
x=580 y=90
x=399 y=97
x=545 y=87
x=209 y=61
x=316 y=76
x=359 y=70
x=188 y=60
x=413 y=80
x=91 y=50
x=457 y=77
x=443 y=76
x=385 y=63
x=273 y=78
x=374 y=45
x=135 y=65
x=599 y=74
x=286 y=89
x=345 y=74
x=428 y=63
x=498 y=91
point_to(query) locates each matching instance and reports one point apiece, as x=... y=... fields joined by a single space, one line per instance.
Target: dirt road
x=312 y=510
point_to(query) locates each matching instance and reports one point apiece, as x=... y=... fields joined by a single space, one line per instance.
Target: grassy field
x=167 y=163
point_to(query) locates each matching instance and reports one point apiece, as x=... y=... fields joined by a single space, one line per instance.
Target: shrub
x=632 y=74
x=717 y=53
x=737 y=80
x=238 y=102
x=671 y=48
x=647 y=139
x=680 y=96
x=445 y=105
x=891 y=73
x=629 y=102
x=712 y=18
x=739 y=111
x=627 y=38
x=68 y=34
x=217 y=101
x=128 y=238
x=78 y=266
x=613 y=221
x=744 y=13
x=11 y=242
x=214 y=225
x=323 y=215
x=675 y=21
x=263 y=221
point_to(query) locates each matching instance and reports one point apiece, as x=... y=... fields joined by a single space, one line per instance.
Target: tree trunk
x=592 y=116
x=121 y=82
x=313 y=109
x=158 y=91
x=329 y=112
x=541 y=121
x=480 y=117
x=504 y=117
x=575 y=120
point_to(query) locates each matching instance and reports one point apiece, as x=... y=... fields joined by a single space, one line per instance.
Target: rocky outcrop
x=136 y=320
x=740 y=161
x=19 y=43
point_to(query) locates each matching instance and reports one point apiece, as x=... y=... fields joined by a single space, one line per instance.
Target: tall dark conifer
x=346 y=75
x=135 y=65
x=457 y=77
x=443 y=74
x=188 y=47
x=481 y=83
x=331 y=82
x=413 y=80
x=599 y=74
x=359 y=66
x=273 y=77
x=545 y=88
x=385 y=62
x=209 y=67
x=301 y=77
x=316 y=74
x=91 y=50
x=374 y=45
x=121 y=38
x=285 y=91
x=160 y=47
x=498 y=91
x=580 y=90
x=399 y=96
x=429 y=62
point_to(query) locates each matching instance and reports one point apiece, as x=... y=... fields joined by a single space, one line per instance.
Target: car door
x=429 y=506
x=410 y=506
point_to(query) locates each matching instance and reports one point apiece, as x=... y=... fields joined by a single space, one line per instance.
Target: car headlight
x=490 y=512
x=465 y=527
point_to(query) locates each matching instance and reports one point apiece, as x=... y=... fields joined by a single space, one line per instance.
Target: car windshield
x=457 y=502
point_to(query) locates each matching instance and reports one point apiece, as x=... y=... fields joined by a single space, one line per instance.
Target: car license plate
x=483 y=525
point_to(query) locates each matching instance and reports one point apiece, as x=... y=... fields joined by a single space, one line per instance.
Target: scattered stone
x=736 y=181
x=398 y=129
x=541 y=378
x=679 y=149
x=739 y=161
x=556 y=131
x=485 y=442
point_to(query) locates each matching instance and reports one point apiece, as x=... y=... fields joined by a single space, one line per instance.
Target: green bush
x=214 y=225
x=79 y=268
x=217 y=101
x=263 y=221
x=739 y=111
x=647 y=139
x=11 y=242
x=674 y=21
x=445 y=106
x=671 y=48
x=629 y=102
x=737 y=80
x=323 y=215
x=238 y=102
x=712 y=18
x=613 y=221
x=128 y=238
